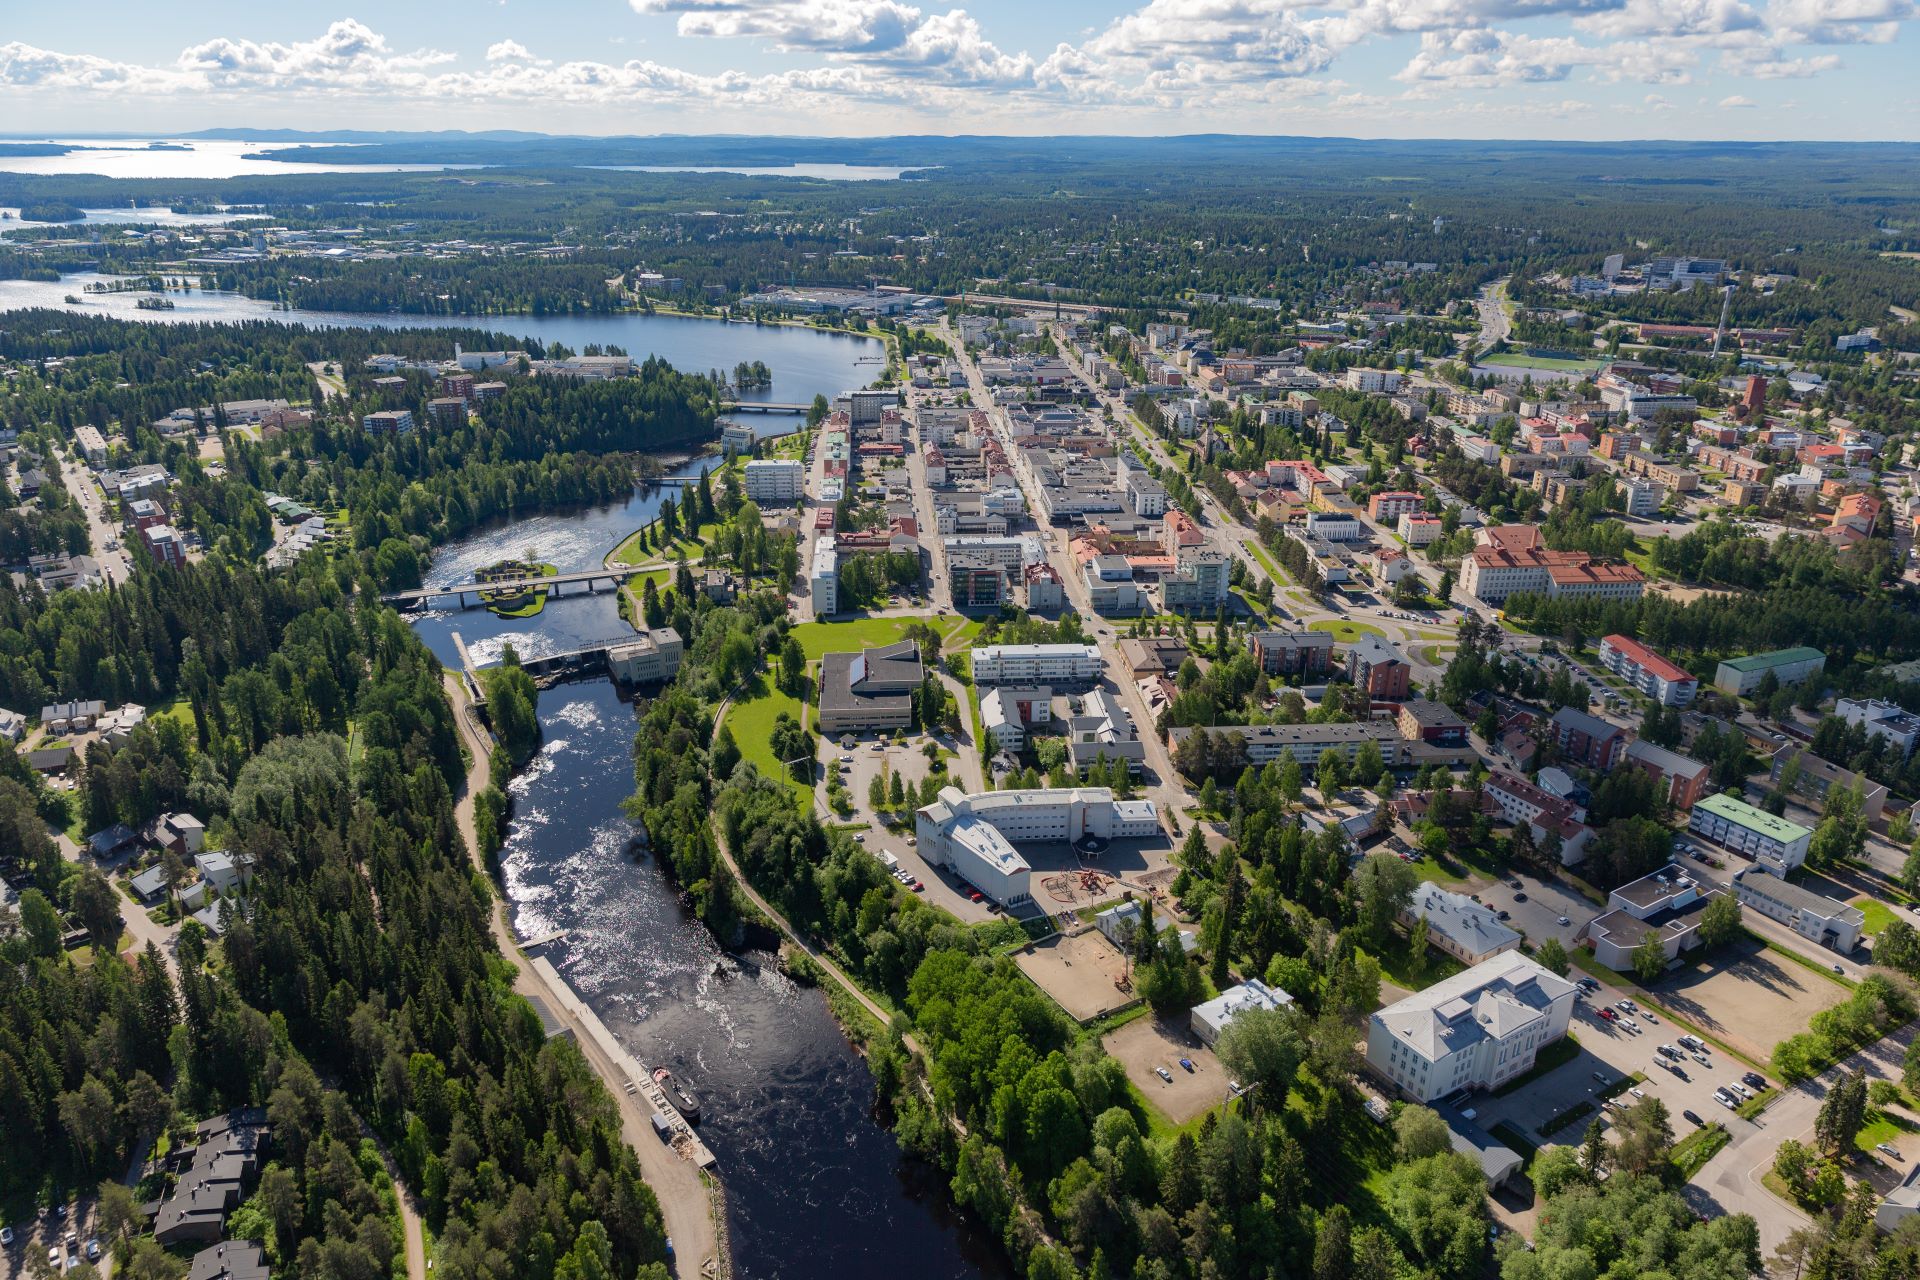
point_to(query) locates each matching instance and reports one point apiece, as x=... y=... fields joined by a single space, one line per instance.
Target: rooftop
x=1775 y=658
x=1725 y=806
x=1796 y=898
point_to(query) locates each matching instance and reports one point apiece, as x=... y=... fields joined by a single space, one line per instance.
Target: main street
x=101 y=527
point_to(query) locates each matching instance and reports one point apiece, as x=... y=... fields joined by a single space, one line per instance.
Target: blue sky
x=1746 y=69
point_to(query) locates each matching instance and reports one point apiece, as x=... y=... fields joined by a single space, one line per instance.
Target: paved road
x=1495 y=323
x=1730 y=1182
x=684 y=1202
x=101 y=527
x=141 y=929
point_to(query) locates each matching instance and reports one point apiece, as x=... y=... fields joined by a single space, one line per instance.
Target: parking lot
x=1748 y=996
x=1147 y=1043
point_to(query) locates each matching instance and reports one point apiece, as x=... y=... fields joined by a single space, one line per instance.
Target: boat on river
x=678 y=1094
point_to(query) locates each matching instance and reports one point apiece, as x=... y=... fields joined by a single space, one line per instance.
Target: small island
x=515 y=599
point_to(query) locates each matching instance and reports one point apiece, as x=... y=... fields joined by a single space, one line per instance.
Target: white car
x=1648 y=1015
x=1636 y=1093
x=1562 y=920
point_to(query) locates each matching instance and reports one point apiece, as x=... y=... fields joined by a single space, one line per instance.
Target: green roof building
x=1741 y=676
x=1774 y=844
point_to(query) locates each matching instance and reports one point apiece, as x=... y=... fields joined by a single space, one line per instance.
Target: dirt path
x=685 y=1203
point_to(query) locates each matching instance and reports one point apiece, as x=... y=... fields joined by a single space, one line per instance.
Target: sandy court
x=1082 y=973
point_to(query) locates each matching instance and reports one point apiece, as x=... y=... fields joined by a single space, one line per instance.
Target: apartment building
x=1037 y=664
x=1417 y=530
x=1008 y=712
x=1881 y=720
x=1305 y=742
x=1686 y=778
x=1377 y=669
x=1292 y=653
x=1587 y=740
x=1666 y=682
x=1388 y=507
x=1543 y=814
x=1198 y=584
x=1475 y=1030
x=823 y=577
x=1775 y=845
x=775 y=482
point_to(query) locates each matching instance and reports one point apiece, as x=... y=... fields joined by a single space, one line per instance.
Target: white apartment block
x=776 y=482
x=1475 y=1030
x=1382 y=382
x=1643 y=497
x=1048 y=664
x=823 y=579
x=1199 y=582
x=1774 y=844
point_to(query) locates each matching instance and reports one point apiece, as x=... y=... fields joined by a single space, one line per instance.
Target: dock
x=639 y=1080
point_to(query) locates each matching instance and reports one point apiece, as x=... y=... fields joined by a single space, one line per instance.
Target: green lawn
x=818 y=638
x=1522 y=360
x=752 y=725
x=1878 y=914
x=1280 y=576
x=1345 y=631
x=1882 y=1126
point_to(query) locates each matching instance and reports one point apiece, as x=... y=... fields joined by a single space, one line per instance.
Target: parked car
x=1753 y=1079
x=1600 y=1076
x=1186 y=1065
x=1649 y=1016
x=1520 y=897
x=1626 y=1006
x=1886 y=1149
x=1678 y=1070
x=1503 y=915
x=93 y=1251
x=1164 y=1074
x=1694 y=1118
x=1564 y=920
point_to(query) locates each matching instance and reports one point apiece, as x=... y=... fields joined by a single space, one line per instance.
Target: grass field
x=817 y=638
x=1345 y=631
x=1520 y=359
x=752 y=725
x=1280 y=576
x=1882 y=1126
x=1878 y=914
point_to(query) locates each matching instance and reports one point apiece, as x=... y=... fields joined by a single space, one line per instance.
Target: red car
x=976 y=896
x=1608 y=1014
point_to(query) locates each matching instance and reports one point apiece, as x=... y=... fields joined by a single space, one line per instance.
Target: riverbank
x=691 y=1204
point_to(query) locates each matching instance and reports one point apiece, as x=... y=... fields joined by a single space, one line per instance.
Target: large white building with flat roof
x=1036 y=663
x=775 y=481
x=976 y=835
x=1475 y=1030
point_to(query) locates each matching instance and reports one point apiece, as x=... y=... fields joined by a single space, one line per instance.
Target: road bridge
x=615 y=575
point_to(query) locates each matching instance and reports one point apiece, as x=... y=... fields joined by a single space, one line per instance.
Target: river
x=815 y=1187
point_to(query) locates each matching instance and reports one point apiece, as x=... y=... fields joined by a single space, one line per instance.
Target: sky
x=1551 y=69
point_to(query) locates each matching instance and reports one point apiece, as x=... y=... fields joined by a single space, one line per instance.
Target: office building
x=1475 y=1030
x=1666 y=682
x=1037 y=663
x=775 y=482
x=1775 y=845
x=870 y=690
x=1668 y=903
x=1459 y=926
x=1741 y=676
x=975 y=835
x=1831 y=923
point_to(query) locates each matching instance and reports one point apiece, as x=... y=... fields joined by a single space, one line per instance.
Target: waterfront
x=187 y=158
x=814 y=1186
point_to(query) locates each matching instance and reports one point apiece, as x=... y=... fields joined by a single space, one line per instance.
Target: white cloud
x=512 y=51
x=1763 y=63
x=1737 y=101
x=845 y=26
x=1671 y=19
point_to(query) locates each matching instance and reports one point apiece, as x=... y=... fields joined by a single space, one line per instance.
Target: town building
x=1153 y=655
x=1666 y=682
x=71 y=717
x=213 y=1173
x=1827 y=921
x=1198 y=584
x=871 y=690
x=975 y=835
x=388 y=422
x=1104 y=730
x=1459 y=926
x=1420 y=720
x=1387 y=508
x=1037 y=663
x=1418 y=529
x=1587 y=739
x=1009 y=712
x=1292 y=653
x=1046 y=593
x=976 y=584
x=1209 y=1019
x=1775 y=845
x=1378 y=670
x=92 y=445
x=774 y=482
x=1686 y=778
x=649 y=658
x=1546 y=816
x=1643 y=497
x=1881 y=720
x=1805 y=774
x=164 y=543
x=230 y=1260
x=1475 y=1030
x=1669 y=902
x=1741 y=676
x=1511 y=559
x=823 y=578
x=1303 y=742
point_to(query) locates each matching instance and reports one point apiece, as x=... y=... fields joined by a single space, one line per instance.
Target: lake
x=186 y=158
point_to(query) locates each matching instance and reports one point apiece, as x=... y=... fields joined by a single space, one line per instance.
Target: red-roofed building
x=1390 y=506
x=1859 y=512
x=1179 y=531
x=1664 y=681
x=1510 y=560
